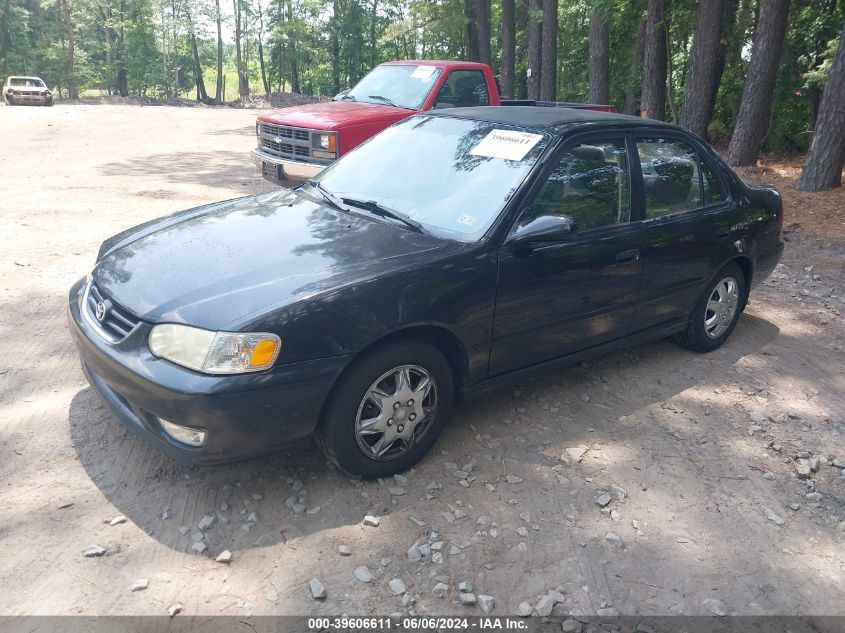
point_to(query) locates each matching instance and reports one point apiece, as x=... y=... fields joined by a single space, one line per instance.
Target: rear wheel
x=388 y=410
x=716 y=313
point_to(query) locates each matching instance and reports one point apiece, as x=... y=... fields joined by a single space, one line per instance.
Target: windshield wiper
x=347 y=98
x=327 y=196
x=387 y=101
x=386 y=212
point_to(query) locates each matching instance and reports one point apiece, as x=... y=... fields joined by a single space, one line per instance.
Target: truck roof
x=541 y=117
x=437 y=63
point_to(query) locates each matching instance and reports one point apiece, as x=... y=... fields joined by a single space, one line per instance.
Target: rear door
x=561 y=297
x=687 y=213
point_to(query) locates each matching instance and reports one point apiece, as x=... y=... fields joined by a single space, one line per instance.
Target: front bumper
x=244 y=416
x=280 y=170
x=29 y=99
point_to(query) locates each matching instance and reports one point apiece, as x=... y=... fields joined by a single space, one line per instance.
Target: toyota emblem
x=100 y=311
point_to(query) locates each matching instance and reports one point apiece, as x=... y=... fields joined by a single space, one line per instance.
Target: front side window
x=453 y=176
x=590 y=184
x=674 y=177
x=401 y=85
x=463 y=89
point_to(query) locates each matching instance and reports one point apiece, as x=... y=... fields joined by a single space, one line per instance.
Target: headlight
x=328 y=142
x=214 y=352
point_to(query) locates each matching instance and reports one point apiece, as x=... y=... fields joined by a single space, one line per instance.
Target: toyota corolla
x=452 y=251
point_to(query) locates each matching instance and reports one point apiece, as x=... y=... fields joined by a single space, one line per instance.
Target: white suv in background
x=26 y=90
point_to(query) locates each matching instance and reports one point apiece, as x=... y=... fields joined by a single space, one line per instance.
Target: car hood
x=333 y=115
x=227 y=264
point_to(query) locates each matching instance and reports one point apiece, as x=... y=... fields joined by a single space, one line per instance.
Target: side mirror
x=546 y=228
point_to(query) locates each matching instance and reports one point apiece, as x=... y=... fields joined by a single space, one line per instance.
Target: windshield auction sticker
x=506 y=144
x=423 y=72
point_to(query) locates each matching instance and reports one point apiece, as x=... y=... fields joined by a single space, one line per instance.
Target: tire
x=405 y=438
x=50 y=102
x=706 y=329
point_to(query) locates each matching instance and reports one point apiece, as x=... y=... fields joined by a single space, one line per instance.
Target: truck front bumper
x=281 y=170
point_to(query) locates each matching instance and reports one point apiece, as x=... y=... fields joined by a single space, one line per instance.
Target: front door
x=562 y=297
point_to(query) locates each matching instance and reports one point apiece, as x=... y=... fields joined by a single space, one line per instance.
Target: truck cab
x=298 y=142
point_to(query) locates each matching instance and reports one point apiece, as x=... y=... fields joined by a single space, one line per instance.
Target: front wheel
x=388 y=410
x=715 y=316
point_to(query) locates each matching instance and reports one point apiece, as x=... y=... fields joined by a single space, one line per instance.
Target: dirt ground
x=697 y=452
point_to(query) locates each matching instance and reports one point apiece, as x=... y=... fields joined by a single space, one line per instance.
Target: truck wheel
x=716 y=313
x=388 y=410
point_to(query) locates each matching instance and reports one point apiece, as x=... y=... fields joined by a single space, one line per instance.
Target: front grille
x=285 y=132
x=284 y=148
x=117 y=323
x=284 y=141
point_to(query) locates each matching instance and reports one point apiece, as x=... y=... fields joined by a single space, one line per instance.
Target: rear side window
x=674 y=177
x=463 y=89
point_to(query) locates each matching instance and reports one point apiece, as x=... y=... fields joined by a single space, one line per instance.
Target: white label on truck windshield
x=506 y=144
x=422 y=72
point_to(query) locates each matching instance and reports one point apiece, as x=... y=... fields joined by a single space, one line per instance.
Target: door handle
x=626 y=257
x=724 y=232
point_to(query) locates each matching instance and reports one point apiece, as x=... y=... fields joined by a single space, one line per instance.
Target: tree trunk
x=823 y=166
x=548 y=74
x=4 y=33
x=243 y=81
x=701 y=85
x=294 y=57
x=634 y=86
x=67 y=20
x=373 y=40
x=334 y=27
x=122 y=84
x=264 y=79
x=755 y=111
x=508 y=58
x=729 y=18
x=654 y=63
x=535 y=50
x=202 y=95
x=599 y=57
x=482 y=25
x=521 y=81
x=218 y=91
x=470 y=31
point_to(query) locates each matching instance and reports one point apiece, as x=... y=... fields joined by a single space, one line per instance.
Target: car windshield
x=453 y=176
x=401 y=85
x=26 y=82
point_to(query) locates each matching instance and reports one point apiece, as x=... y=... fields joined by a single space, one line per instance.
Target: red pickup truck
x=299 y=142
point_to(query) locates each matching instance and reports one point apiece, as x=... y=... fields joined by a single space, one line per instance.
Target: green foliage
x=322 y=46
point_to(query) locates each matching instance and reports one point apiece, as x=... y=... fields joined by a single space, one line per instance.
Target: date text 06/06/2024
x=356 y=624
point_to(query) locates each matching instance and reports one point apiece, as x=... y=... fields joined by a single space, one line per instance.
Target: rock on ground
x=318 y=591
x=363 y=574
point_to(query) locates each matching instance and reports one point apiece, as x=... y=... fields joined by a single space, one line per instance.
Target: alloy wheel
x=396 y=412
x=721 y=307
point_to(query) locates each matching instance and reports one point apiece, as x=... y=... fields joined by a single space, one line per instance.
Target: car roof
x=437 y=63
x=22 y=77
x=545 y=118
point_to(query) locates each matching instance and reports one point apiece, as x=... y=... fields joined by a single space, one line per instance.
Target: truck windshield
x=404 y=86
x=452 y=176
